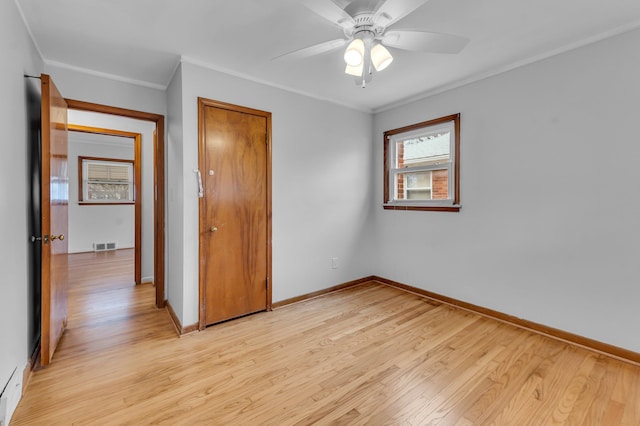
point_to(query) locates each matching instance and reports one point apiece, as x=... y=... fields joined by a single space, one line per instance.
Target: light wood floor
x=367 y=355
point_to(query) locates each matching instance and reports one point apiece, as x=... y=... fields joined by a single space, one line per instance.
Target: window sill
x=433 y=208
x=105 y=203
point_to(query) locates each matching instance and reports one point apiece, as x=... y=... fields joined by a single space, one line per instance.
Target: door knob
x=213 y=229
x=57 y=237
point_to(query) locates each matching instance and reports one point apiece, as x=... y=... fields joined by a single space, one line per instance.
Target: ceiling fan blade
x=316 y=49
x=424 y=41
x=331 y=12
x=392 y=11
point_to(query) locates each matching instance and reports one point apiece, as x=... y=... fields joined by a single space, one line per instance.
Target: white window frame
x=421 y=188
x=442 y=125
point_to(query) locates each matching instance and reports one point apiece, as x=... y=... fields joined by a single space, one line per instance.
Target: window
x=106 y=181
x=422 y=166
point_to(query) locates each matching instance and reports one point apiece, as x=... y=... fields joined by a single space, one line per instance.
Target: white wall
x=145 y=128
x=175 y=219
x=322 y=163
x=91 y=88
x=89 y=224
x=19 y=57
x=549 y=228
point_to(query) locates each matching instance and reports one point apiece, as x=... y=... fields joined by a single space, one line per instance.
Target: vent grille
x=104 y=246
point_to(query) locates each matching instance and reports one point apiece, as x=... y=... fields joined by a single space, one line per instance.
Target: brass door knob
x=213 y=229
x=57 y=237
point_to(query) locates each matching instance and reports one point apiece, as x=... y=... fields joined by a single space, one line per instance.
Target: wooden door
x=234 y=212
x=55 y=200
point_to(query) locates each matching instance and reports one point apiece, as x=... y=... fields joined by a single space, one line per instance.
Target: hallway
x=106 y=309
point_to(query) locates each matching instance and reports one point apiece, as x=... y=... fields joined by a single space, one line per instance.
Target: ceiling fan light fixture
x=354 y=54
x=380 y=57
x=355 y=71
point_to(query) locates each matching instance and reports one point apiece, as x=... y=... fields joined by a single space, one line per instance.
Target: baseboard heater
x=10 y=397
x=104 y=246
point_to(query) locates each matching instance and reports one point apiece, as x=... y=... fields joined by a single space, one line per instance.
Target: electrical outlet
x=334 y=263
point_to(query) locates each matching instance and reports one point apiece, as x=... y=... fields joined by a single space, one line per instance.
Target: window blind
x=101 y=172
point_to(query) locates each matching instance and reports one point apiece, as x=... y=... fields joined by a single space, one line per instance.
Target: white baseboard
x=147 y=280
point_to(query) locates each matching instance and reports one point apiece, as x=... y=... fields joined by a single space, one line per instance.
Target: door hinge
x=267 y=283
x=266 y=138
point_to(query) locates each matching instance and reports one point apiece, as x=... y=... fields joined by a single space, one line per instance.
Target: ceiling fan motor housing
x=365 y=28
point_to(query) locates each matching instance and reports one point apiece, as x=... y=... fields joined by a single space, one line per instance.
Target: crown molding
x=202 y=64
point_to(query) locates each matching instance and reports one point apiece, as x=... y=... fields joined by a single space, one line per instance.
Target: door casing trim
x=137 y=149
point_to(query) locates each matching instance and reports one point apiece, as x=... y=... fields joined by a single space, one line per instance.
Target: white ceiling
x=143 y=40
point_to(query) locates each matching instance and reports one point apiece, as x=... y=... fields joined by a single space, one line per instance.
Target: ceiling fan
x=365 y=24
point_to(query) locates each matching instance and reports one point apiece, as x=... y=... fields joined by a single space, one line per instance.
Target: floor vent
x=104 y=246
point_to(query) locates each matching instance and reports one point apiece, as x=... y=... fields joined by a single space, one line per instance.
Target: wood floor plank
x=366 y=355
x=433 y=372
x=628 y=393
x=585 y=400
x=514 y=366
